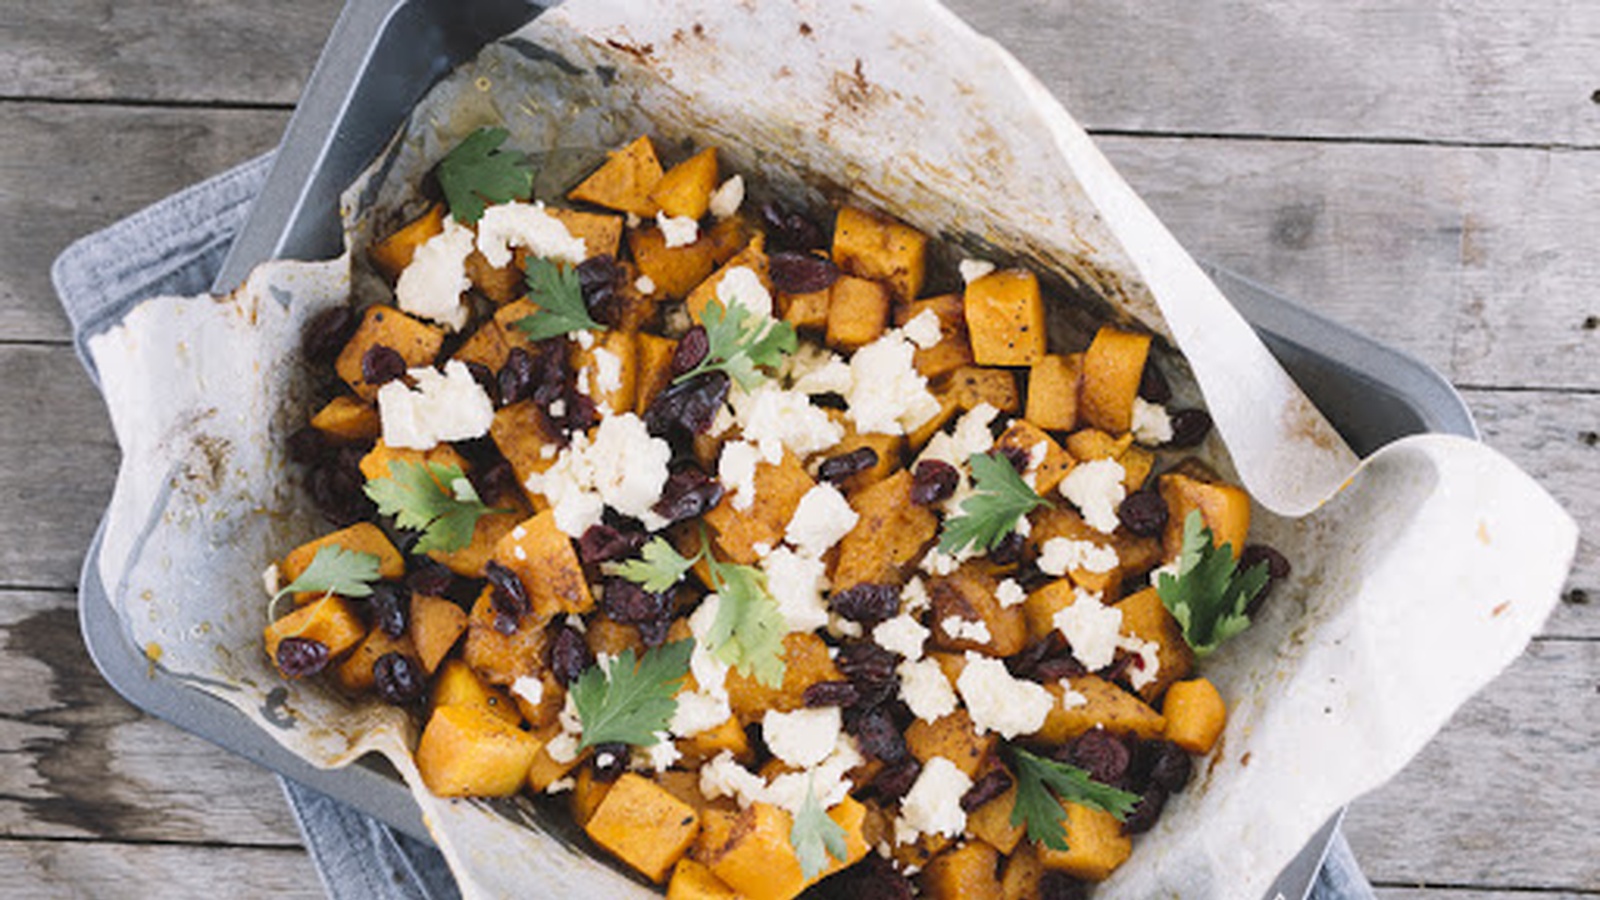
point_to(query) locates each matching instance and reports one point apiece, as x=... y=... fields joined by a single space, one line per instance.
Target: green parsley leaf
x=815 y=837
x=989 y=515
x=1042 y=785
x=560 y=297
x=432 y=498
x=660 y=568
x=1209 y=595
x=628 y=702
x=477 y=173
x=742 y=344
x=334 y=570
x=748 y=631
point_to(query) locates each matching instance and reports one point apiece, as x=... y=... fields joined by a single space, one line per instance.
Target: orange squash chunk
x=455 y=684
x=1053 y=391
x=416 y=341
x=1096 y=845
x=877 y=247
x=330 y=621
x=436 y=625
x=685 y=189
x=624 y=181
x=467 y=751
x=1224 y=508
x=1112 y=368
x=392 y=254
x=347 y=420
x=543 y=557
x=1005 y=319
x=1195 y=715
x=362 y=537
x=644 y=825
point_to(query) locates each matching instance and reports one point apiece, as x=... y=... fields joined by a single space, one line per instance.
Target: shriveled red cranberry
x=391 y=607
x=582 y=414
x=1018 y=457
x=1100 y=753
x=787 y=230
x=327 y=333
x=688 y=493
x=602 y=543
x=496 y=481
x=1058 y=667
x=568 y=654
x=868 y=603
x=1022 y=664
x=610 y=761
x=302 y=657
x=831 y=693
x=552 y=371
x=873 y=878
x=337 y=487
x=933 y=481
x=1146 y=811
x=1169 y=766
x=517 y=377
x=801 y=273
x=1277 y=570
x=871 y=669
x=691 y=350
x=877 y=734
x=630 y=603
x=399 y=679
x=895 y=779
x=1153 y=387
x=381 y=365
x=508 y=594
x=1189 y=427
x=1009 y=551
x=1054 y=885
x=597 y=281
x=430 y=579
x=836 y=469
x=993 y=783
x=1143 y=513
x=687 y=407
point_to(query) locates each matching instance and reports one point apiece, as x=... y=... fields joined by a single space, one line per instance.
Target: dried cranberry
x=552 y=371
x=1022 y=664
x=866 y=602
x=307 y=446
x=1100 y=753
x=630 y=603
x=1277 y=569
x=1057 y=668
x=582 y=414
x=994 y=783
x=1189 y=427
x=1146 y=811
x=390 y=606
x=431 y=579
x=933 y=481
x=875 y=731
x=569 y=653
x=869 y=667
x=399 y=679
x=597 y=280
x=517 y=377
x=302 y=657
x=338 y=487
x=603 y=543
x=1054 y=885
x=1009 y=551
x=1153 y=386
x=508 y=594
x=801 y=273
x=788 y=230
x=1018 y=457
x=381 y=365
x=1170 y=766
x=895 y=779
x=688 y=493
x=610 y=761
x=836 y=469
x=831 y=693
x=691 y=351
x=874 y=878
x=495 y=481
x=1143 y=513
x=327 y=333
x=654 y=632
x=687 y=407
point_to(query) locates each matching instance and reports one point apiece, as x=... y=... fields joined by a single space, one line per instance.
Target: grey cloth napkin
x=176 y=247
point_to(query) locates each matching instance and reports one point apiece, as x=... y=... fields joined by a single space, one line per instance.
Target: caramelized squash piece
x=642 y=824
x=1005 y=319
x=1112 y=368
x=330 y=621
x=467 y=751
x=1096 y=845
x=685 y=190
x=1195 y=715
x=624 y=181
x=391 y=255
x=416 y=341
x=868 y=245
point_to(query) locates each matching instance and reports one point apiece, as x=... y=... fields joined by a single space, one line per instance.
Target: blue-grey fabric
x=177 y=246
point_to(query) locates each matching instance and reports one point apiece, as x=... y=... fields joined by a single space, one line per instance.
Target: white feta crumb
x=743 y=286
x=965 y=629
x=680 y=231
x=804 y=737
x=558 y=408
x=924 y=329
x=1095 y=488
x=903 y=635
x=271 y=579
x=776 y=418
x=973 y=269
x=1091 y=628
x=933 y=805
x=761 y=549
x=563 y=748
x=914 y=599
x=576 y=623
x=812 y=369
x=727 y=198
x=1070 y=698
x=822 y=517
x=622 y=466
x=970 y=436
x=737 y=471
x=585 y=339
x=645 y=285
x=1146 y=663
x=1152 y=426
x=723 y=776
x=607 y=370
x=937 y=562
x=432 y=284
x=697 y=712
x=797 y=582
x=444 y=407
x=826 y=781
x=605 y=759
x=839 y=626
x=561 y=785
x=516 y=224
x=1000 y=703
x=887 y=394
x=1061 y=555
x=925 y=689
x=632 y=220
x=529 y=688
x=1009 y=593
x=663 y=753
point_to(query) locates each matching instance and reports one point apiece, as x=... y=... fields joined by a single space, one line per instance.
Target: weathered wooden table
x=1427 y=171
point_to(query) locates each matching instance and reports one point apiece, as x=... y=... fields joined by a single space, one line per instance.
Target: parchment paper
x=1416 y=584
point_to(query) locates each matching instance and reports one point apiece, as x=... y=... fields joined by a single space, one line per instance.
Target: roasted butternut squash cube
x=354 y=674
x=972 y=385
x=752 y=257
x=1096 y=845
x=346 y=420
x=643 y=825
x=486 y=346
x=1097 y=703
x=674 y=270
x=968 y=596
x=624 y=181
x=605 y=635
x=608 y=371
x=1224 y=507
x=329 y=620
x=965 y=872
x=375 y=464
x=757 y=860
x=887 y=447
x=693 y=881
x=416 y=341
x=506 y=319
x=546 y=770
x=1022 y=874
x=587 y=793
x=391 y=255
x=1145 y=617
x=1042 y=605
x=362 y=537
x=436 y=625
x=543 y=557
x=1048 y=462
x=501 y=657
x=949 y=405
x=1005 y=319
x=455 y=684
x=685 y=189
x=858 y=312
x=698 y=749
x=655 y=368
x=992 y=822
x=467 y=751
x=889 y=537
x=501 y=284
x=868 y=245
x=1135 y=554
x=1112 y=369
x=805 y=662
x=919 y=852
x=808 y=311
x=1195 y=715
x=778 y=489
x=601 y=233
x=954 y=349
x=953 y=737
x=524 y=436
x=1053 y=384
x=469 y=561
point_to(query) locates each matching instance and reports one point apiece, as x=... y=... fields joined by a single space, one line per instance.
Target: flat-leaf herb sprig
x=334 y=570
x=631 y=700
x=1209 y=594
x=741 y=343
x=559 y=294
x=478 y=172
x=815 y=836
x=1000 y=501
x=433 y=498
x=1043 y=784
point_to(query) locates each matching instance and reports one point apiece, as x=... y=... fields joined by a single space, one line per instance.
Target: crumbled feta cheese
x=887 y=394
x=728 y=196
x=723 y=776
x=563 y=748
x=529 y=688
x=1147 y=662
x=965 y=629
x=737 y=472
x=680 y=231
x=447 y=407
x=622 y=467
x=925 y=689
x=632 y=219
x=827 y=781
x=775 y=418
x=585 y=339
x=933 y=805
x=802 y=738
x=561 y=785
x=515 y=224
x=903 y=635
x=1009 y=593
x=697 y=712
x=796 y=582
x=1151 y=424
x=1095 y=488
x=645 y=285
x=914 y=598
x=707 y=707
x=822 y=517
x=761 y=549
x=1061 y=555
x=924 y=329
x=841 y=627
x=604 y=759
x=815 y=370
x=973 y=269
x=271 y=579
x=432 y=284
x=1091 y=628
x=662 y=754
x=970 y=436
x=937 y=562
x=743 y=286
x=1070 y=698
x=607 y=370
x=1000 y=703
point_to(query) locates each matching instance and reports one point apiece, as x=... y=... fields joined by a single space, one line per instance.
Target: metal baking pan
x=381 y=57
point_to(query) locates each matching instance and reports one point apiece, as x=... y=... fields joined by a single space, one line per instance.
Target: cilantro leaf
x=335 y=570
x=560 y=297
x=477 y=172
x=1042 y=785
x=989 y=515
x=432 y=498
x=630 y=701
x=741 y=343
x=1209 y=595
x=660 y=567
x=815 y=837
x=748 y=630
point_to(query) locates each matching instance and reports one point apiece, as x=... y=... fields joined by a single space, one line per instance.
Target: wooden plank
x=81 y=763
x=152 y=50
x=1518 y=71
x=69 y=170
x=79 y=870
x=1504 y=797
